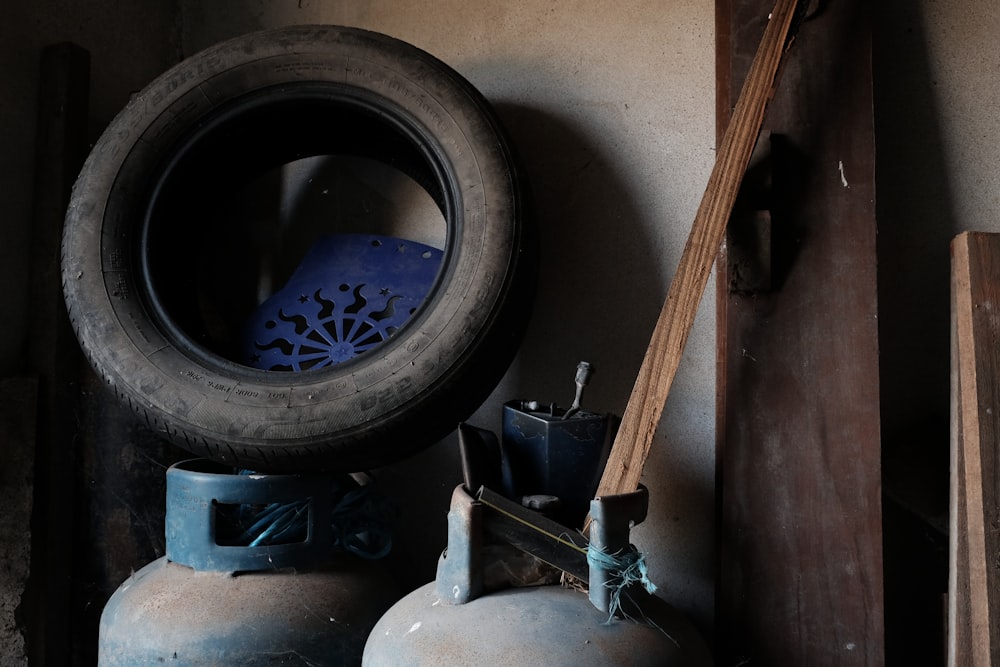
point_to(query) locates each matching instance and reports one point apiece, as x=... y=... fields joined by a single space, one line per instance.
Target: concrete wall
x=938 y=136
x=129 y=43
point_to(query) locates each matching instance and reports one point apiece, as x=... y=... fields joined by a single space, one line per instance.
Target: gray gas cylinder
x=215 y=601
x=462 y=618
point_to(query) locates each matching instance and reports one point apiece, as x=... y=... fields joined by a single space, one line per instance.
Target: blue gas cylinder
x=287 y=596
x=470 y=616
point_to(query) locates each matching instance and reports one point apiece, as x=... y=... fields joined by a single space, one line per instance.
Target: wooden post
x=974 y=586
x=799 y=486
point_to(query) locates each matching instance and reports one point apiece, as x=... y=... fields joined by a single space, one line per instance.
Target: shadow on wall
x=604 y=272
x=600 y=284
x=597 y=297
x=916 y=221
x=916 y=224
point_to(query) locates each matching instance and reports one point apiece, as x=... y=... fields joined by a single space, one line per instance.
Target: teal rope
x=626 y=567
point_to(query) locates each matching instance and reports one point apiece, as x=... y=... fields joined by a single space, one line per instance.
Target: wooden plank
x=959 y=614
x=663 y=355
x=800 y=579
x=976 y=431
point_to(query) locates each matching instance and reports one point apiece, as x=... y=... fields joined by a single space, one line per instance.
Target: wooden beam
x=800 y=578
x=959 y=619
x=974 y=589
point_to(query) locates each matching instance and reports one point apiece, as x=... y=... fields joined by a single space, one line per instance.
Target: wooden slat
x=976 y=433
x=666 y=346
x=800 y=579
x=959 y=613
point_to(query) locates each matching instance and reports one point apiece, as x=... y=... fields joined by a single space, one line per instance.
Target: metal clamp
x=473 y=519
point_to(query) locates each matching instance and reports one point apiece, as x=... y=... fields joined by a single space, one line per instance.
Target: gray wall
x=937 y=89
x=129 y=43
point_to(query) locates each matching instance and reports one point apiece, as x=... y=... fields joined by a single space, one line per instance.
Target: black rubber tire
x=263 y=99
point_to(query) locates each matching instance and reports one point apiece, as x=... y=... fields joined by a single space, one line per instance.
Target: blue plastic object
x=350 y=294
x=544 y=453
x=196 y=495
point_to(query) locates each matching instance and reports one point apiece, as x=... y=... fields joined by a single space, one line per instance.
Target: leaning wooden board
x=663 y=355
x=974 y=586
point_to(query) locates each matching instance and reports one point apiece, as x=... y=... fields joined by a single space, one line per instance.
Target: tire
x=145 y=248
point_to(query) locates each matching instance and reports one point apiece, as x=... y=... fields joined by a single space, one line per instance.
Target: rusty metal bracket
x=473 y=520
x=460 y=568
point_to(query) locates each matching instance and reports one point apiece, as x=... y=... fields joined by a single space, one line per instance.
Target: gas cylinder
x=464 y=617
x=286 y=597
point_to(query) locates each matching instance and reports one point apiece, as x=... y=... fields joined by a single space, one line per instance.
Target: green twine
x=625 y=567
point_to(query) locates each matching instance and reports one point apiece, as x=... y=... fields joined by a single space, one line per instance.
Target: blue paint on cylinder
x=207 y=603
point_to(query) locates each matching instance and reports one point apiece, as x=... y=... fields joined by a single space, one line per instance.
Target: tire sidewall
x=220 y=404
